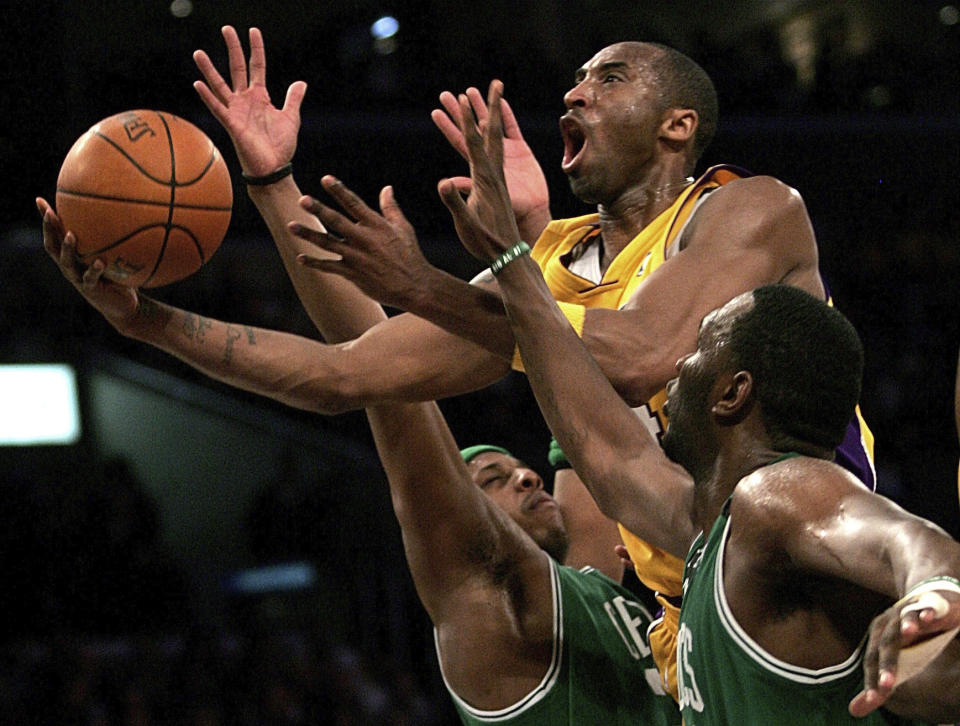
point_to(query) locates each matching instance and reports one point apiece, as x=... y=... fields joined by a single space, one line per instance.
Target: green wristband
x=556 y=457
x=520 y=248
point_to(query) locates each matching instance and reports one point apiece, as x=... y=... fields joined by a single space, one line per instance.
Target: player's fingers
x=258 y=59
x=91 y=276
x=235 y=59
x=451 y=198
x=52 y=238
x=871 y=657
x=323 y=265
x=888 y=650
x=511 y=129
x=211 y=75
x=391 y=210
x=480 y=109
x=69 y=262
x=323 y=240
x=471 y=134
x=493 y=133
x=451 y=105
x=211 y=101
x=352 y=204
x=320 y=210
x=450 y=130
x=464 y=184
x=295 y=94
x=864 y=703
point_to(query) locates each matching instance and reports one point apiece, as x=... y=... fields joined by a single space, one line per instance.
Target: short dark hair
x=684 y=84
x=807 y=365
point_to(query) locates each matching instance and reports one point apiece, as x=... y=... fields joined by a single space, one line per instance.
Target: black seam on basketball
x=193 y=238
x=110 y=198
x=93 y=253
x=173 y=199
x=213 y=158
x=186 y=230
x=133 y=161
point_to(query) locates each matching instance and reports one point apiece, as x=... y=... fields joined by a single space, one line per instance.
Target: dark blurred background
x=207 y=557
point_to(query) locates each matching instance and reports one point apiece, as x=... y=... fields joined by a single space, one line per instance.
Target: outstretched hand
x=485 y=222
x=117 y=303
x=379 y=253
x=903 y=640
x=265 y=137
x=525 y=181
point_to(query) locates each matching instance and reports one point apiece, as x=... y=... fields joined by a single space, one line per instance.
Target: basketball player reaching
x=635 y=278
x=788 y=557
x=521 y=638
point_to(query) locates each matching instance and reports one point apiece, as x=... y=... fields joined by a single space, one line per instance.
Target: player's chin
x=584 y=187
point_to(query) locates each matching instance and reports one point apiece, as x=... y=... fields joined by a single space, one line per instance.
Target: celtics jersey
x=601 y=671
x=727 y=679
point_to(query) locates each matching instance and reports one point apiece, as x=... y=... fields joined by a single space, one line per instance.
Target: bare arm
x=454 y=537
x=297 y=371
x=622 y=465
x=747 y=233
x=849 y=534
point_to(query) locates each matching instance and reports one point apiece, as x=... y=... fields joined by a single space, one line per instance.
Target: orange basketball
x=149 y=194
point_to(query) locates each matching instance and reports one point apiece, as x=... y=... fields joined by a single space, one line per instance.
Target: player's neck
x=625 y=217
x=715 y=481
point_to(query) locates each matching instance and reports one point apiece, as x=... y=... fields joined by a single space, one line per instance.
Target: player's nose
x=576 y=96
x=527 y=478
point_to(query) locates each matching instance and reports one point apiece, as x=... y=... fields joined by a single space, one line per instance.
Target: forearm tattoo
x=195 y=327
x=234 y=333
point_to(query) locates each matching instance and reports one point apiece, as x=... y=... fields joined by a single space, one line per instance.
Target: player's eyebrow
x=602 y=68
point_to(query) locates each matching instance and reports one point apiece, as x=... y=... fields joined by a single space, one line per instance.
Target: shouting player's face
x=611 y=125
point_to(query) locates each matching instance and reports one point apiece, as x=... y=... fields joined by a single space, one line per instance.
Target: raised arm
x=427 y=362
x=265 y=140
x=624 y=468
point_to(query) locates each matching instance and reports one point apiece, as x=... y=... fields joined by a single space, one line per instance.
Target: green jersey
x=727 y=679
x=601 y=671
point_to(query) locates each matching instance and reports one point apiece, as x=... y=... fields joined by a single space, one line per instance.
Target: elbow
x=640 y=381
x=329 y=393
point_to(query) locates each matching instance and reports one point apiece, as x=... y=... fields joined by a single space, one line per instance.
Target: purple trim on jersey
x=852 y=456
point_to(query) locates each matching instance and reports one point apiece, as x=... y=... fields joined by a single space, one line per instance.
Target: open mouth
x=574 y=142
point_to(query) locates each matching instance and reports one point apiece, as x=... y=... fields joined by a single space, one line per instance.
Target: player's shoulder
x=760 y=189
x=796 y=489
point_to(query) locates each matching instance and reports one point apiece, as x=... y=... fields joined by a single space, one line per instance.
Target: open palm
x=264 y=136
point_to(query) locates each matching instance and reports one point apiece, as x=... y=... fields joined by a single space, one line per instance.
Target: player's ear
x=679 y=126
x=735 y=396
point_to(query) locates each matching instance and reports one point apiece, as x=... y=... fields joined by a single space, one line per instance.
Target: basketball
x=147 y=192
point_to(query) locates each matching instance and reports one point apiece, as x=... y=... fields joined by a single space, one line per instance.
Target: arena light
x=181 y=8
x=40 y=404
x=384 y=32
x=385 y=27
x=284 y=577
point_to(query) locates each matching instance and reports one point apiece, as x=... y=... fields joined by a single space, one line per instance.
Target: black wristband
x=274 y=176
